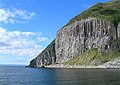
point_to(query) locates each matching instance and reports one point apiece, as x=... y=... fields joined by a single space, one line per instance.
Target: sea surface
x=21 y=75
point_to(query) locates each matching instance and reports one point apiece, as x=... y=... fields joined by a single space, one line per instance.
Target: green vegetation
x=109 y=11
x=89 y=56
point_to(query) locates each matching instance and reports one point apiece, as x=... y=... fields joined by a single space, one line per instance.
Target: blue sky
x=28 y=26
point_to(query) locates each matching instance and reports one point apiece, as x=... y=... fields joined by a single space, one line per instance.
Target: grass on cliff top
x=87 y=57
x=109 y=11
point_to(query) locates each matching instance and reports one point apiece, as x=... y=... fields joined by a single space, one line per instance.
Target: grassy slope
x=87 y=57
x=108 y=11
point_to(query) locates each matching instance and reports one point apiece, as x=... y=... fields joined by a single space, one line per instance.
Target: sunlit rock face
x=118 y=30
x=76 y=38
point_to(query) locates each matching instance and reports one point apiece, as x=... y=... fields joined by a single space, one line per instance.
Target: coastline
x=113 y=64
x=80 y=66
x=71 y=66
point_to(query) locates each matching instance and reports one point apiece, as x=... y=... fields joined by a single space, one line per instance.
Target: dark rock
x=46 y=57
x=33 y=63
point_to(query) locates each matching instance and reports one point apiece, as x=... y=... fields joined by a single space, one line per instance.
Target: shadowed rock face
x=33 y=63
x=46 y=57
x=75 y=39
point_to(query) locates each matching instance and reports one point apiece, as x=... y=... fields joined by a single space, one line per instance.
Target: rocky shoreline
x=72 y=66
x=81 y=66
x=114 y=64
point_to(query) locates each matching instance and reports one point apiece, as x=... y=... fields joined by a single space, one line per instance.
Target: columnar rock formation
x=118 y=29
x=90 y=33
x=74 y=39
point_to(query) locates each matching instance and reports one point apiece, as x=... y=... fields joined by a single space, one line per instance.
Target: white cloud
x=15 y=15
x=42 y=39
x=20 y=43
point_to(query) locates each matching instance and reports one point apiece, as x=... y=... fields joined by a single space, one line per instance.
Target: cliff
x=118 y=29
x=84 y=40
x=46 y=57
x=90 y=33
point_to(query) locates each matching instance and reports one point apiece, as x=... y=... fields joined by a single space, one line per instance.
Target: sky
x=28 y=26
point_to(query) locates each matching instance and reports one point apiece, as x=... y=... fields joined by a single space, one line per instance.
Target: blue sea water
x=20 y=75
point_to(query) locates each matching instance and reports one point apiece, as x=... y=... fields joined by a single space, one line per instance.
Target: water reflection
x=88 y=76
x=43 y=76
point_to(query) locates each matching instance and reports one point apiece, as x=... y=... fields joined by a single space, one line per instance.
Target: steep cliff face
x=75 y=39
x=33 y=63
x=83 y=35
x=118 y=30
x=46 y=57
x=90 y=33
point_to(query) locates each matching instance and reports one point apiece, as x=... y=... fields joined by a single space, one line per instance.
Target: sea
x=21 y=75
